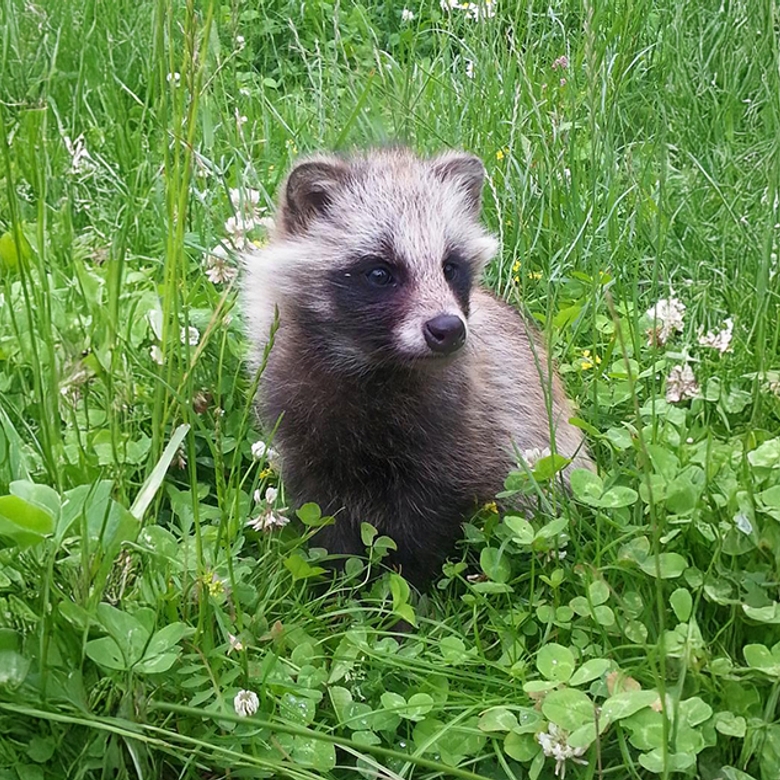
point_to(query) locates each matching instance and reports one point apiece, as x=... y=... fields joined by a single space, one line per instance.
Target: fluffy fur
x=401 y=388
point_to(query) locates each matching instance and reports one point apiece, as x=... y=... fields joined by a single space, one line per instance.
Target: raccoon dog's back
x=401 y=387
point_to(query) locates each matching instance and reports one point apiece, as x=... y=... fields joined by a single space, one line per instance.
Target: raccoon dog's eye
x=380 y=276
x=451 y=270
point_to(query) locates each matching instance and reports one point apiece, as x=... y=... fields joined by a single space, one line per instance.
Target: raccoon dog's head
x=373 y=258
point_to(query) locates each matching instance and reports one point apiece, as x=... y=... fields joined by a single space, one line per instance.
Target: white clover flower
x=720 y=340
x=260 y=450
x=217 y=266
x=407 y=15
x=271 y=494
x=174 y=77
x=667 y=318
x=681 y=384
x=244 y=200
x=267 y=520
x=156 y=354
x=483 y=9
x=240 y=41
x=246 y=703
x=555 y=745
x=533 y=455
x=190 y=335
x=742 y=522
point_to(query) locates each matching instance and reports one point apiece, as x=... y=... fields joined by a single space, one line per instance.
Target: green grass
x=647 y=164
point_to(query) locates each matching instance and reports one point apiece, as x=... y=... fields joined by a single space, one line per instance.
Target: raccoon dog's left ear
x=309 y=191
x=466 y=171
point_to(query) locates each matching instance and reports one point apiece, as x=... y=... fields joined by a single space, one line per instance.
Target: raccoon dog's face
x=374 y=258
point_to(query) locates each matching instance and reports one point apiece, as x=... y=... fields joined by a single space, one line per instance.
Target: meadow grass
x=628 y=630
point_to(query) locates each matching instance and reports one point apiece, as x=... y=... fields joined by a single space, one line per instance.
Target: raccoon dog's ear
x=464 y=170
x=309 y=190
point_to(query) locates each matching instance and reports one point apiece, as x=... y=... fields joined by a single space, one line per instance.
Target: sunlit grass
x=632 y=156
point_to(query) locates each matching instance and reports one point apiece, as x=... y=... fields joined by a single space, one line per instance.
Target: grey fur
x=374 y=426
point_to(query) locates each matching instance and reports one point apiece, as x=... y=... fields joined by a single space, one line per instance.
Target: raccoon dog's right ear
x=309 y=190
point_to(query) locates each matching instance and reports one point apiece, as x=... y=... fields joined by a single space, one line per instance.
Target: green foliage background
x=636 y=619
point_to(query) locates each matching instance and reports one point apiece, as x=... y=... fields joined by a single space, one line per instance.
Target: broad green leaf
x=126 y=630
x=590 y=670
x=617 y=497
x=340 y=698
x=586 y=486
x=766 y=456
x=598 y=591
x=682 y=604
x=167 y=637
x=625 y=704
x=300 y=568
x=521 y=747
x=343 y=659
x=568 y=708
x=309 y=514
x=730 y=725
x=669 y=566
x=522 y=531
x=555 y=662
x=295 y=709
x=495 y=563
x=366 y=738
x=676 y=762
x=759 y=657
x=393 y=702
x=314 y=753
x=453 y=650
x=23 y=524
x=529 y=721
x=497 y=719
x=769 y=614
x=156 y=664
x=13 y=669
x=418 y=705
x=604 y=615
x=106 y=653
x=694 y=711
x=552 y=529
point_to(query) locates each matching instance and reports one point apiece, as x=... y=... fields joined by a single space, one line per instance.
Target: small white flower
x=260 y=450
x=555 y=745
x=483 y=9
x=217 y=266
x=470 y=69
x=742 y=522
x=407 y=15
x=271 y=494
x=681 y=384
x=173 y=77
x=448 y=5
x=240 y=41
x=244 y=200
x=667 y=318
x=234 y=644
x=267 y=520
x=246 y=703
x=157 y=354
x=720 y=340
x=533 y=455
x=190 y=335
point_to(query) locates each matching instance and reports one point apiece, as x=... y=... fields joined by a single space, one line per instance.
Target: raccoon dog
x=401 y=387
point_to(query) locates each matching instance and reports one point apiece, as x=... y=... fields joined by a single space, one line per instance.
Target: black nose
x=445 y=333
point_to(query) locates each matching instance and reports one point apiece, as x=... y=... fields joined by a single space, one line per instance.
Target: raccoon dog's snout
x=445 y=333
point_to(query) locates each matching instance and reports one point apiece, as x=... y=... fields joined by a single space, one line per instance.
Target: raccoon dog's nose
x=445 y=333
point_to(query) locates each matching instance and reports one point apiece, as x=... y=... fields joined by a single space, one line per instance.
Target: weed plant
x=159 y=615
